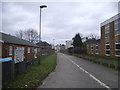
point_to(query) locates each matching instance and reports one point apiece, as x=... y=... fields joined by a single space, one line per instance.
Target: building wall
x=102 y=42
x=112 y=40
x=91 y=48
x=88 y=49
x=5 y=50
x=69 y=44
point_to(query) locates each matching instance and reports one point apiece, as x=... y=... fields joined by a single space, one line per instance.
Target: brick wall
x=102 y=42
x=112 y=40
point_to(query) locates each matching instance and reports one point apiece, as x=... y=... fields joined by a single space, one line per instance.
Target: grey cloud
x=60 y=21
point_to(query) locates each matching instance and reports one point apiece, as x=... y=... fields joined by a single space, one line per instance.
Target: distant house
x=18 y=50
x=92 y=46
x=57 y=48
x=69 y=44
x=46 y=48
x=62 y=48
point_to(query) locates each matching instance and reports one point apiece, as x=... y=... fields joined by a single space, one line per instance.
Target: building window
x=117 y=27
x=97 y=49
x=117 y=46
x=107 y=31
x=23 y=48
x=35 y=50
x=10 y=50
x=28 y=50
x=117 y=49
x=107 y=49
x=117 y=53
x=117 y=39
x=107 y=52
x=91 y=49
x=107 y=46
x=38 y=50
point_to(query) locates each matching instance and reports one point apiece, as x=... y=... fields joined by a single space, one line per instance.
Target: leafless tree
x=20 y=34
x=93 y=36
x=31 y=35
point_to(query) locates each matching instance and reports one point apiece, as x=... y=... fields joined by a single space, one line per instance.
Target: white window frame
x=116 y=22
x=107 y=26
x=10 y=50
x=35 y=50
x=117 y=50
x=97 y=49
x=28 y=50
x=92 y=49
x=107 y=50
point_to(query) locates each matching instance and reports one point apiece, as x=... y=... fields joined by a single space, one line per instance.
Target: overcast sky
x=60 y=21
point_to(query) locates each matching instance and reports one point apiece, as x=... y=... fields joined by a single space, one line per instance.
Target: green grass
x=34 y=75
x=100 y=57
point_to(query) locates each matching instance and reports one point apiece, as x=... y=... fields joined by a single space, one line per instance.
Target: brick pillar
x=102 y=42
x=112 y=40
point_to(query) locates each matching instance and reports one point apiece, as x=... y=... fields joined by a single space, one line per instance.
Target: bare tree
x=31 y=35
x=20 y=34
x=93 y=36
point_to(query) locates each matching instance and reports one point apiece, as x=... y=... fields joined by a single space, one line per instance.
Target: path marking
x=93 y=77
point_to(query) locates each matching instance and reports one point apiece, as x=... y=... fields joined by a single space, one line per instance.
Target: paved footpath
x=73 y=72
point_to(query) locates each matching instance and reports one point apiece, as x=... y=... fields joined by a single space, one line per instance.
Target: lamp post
x=53 y=43
x=42 y=6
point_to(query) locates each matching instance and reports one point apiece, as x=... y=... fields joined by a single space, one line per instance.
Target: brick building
x=93 y=46
x=46 y=48
x=110 y=37
x=19 y=51
x=109 y=45
x=25 y=49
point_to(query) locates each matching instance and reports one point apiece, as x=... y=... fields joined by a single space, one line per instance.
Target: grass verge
x=34 y=76
x=100 y=57
x=111 y=65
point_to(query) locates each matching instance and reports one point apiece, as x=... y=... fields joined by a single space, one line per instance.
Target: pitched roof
x=15 y=40
x=43 y=43
x=93 y=41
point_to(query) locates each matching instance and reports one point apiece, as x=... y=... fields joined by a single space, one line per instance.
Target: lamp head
x=43 y=6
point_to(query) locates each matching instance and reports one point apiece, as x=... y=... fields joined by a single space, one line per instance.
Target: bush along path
x=34 y=76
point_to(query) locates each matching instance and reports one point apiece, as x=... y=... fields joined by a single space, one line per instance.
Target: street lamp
x=42 y=6
x=53 y=43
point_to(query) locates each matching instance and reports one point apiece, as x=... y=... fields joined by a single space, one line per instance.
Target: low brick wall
x=110 y=63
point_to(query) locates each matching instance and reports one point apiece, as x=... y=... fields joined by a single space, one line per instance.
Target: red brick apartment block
x=109 y=43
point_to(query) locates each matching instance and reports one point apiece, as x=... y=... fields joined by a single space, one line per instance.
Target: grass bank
x=106 y=61
x=100 y=57
x=34 y=76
